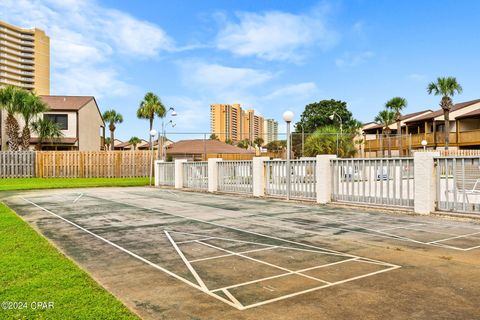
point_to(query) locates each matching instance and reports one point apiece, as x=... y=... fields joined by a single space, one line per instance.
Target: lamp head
x=174 y=113
x=288 y=116
x=424 y=143
x=153 y=133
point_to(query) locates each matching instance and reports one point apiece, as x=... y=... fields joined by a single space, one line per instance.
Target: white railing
x=166 y=173
x=235 y=176
x=385 y=181
x=195 y=175
x=302 y=179
x=458 y=184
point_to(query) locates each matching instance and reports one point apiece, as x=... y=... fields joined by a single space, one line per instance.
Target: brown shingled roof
x=198 y=147
x=73 y=103
x=402 y=118
x=439 y=112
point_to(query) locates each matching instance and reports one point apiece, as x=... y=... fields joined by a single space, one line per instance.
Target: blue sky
x=267 y=55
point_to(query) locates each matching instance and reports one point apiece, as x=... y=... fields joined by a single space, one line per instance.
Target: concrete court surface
x=171 y=254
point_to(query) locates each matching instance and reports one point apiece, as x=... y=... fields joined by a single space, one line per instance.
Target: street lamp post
x=332 y=116
x=152 y=133
x=162 y=135
x=288 y=117
x=424 y=144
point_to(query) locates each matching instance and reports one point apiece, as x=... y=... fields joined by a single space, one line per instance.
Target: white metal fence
x=235 y=176
x=195 y=175
x=458 y=184
x=165 y=173
x=302 y=178
x=17 y=164
x=385 y=181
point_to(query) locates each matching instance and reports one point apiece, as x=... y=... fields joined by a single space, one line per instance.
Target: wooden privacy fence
x=95 y=164
x=20 y=164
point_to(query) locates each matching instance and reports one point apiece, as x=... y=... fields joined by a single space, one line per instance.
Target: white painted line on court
x=76 y=199
x=190 y=241
x=456 y=237
x=269 y=264
x=318 y=288
x=189 y=266
x=228 y=255
x=231 y=297
x=246 y=231
x=136 y=256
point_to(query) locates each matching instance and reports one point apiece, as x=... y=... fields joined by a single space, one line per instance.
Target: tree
x=277 y=145
x=229 y=141
x=31 y=107
x=386 y=118
x=47 y=130
x=244 y=144
x=445 y=87
x=396 y=105
x=324 y=141
x=11 y=100
x=151 y=106
x=213 y=136
x=112 y=117
x=258 y=141
x=134 y=141
x=107 y=141
x=318 y=114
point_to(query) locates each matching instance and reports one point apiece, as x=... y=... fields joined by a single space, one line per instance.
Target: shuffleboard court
x=152 y=247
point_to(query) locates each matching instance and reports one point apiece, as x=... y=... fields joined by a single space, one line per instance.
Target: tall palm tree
x=150 y=106
x=31 y=107
x=445 y=87
x=134 y=141
x=47 y=130
x=11 y=100
x=107 y=141
x=112 y=117
x=386 y=118
x=396 y=105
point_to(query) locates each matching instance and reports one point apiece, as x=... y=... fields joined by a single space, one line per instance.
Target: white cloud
x=275 y=35
x=84 y=39
x=299 y=90
x=217 y=78
x=353 y=59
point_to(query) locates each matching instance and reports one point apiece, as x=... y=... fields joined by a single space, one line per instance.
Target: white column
x=213 y=174
x=157 y=172
x=323 y=171
x=425 y=182
x=258 y=173
x=179 y=173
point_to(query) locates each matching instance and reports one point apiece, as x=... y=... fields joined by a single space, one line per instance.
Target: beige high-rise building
x=230 y=122
x=271 y=130
x=25 y=58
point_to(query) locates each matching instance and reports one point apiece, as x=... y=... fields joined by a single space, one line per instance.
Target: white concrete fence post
x=258 y=173
x=323 y=172
x=213 y=174
x=157 y=173
x=179 y=173
x=425 y=182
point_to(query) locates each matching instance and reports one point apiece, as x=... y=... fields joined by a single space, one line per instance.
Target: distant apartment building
x=25 y=58
x=230 y=122
x=270 y=127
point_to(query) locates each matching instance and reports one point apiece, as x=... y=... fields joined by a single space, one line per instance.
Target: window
x=60 y=119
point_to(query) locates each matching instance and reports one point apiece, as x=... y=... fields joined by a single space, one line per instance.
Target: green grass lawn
x=50 y=183
x=31 y=269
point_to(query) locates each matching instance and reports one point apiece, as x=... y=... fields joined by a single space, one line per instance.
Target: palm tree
x=396 y=105
x=134 y=141
x=47 y=130
x=244 y=144
x=213 y=136
x=107 y=141
x=258 y=141
x=150 y=106
x=11 y=100
x=31 y=107
x=112 y=117
x=445 y=87
x=324 y=141
x=386 y=118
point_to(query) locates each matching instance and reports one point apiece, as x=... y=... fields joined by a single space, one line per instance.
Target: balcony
x=15 y=65
x=16 y=71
